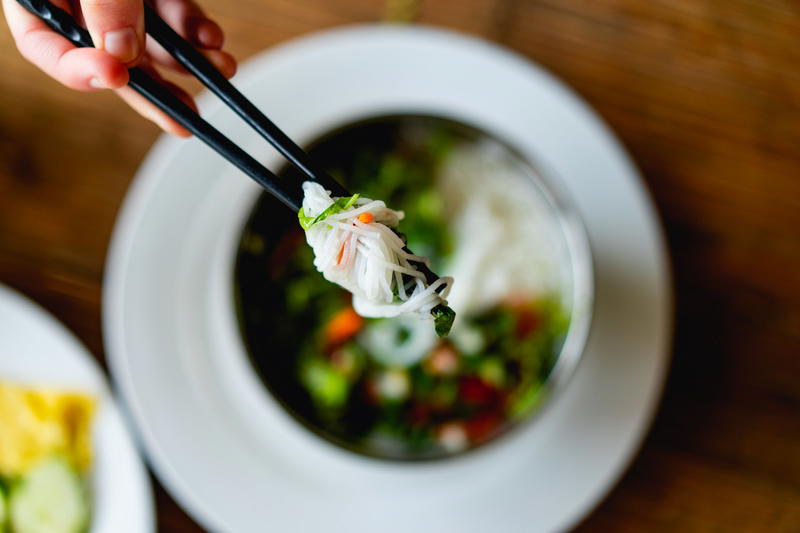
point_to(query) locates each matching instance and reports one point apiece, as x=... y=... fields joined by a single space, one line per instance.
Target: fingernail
x=209 y=35
x=97 y=84
x=122 y=44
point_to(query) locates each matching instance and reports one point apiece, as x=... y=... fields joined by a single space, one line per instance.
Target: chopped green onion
x=338 y=205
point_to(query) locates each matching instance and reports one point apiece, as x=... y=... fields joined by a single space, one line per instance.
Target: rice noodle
x=367 y=258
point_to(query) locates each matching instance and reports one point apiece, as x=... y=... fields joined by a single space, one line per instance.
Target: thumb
x=116 y=26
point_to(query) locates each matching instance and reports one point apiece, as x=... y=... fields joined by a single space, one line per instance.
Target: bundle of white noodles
x=356 y=248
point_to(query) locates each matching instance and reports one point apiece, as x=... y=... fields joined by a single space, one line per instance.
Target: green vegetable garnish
x=328 y=387
x=338 y=205
x=443 y=318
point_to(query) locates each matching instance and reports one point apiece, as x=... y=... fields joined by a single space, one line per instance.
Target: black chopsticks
x=290 y=194
x=196 y=63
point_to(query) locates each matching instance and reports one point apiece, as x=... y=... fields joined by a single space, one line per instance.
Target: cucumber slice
x=49 y=498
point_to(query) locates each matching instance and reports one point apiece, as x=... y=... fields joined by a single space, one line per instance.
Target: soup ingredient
x=443 y=318
x=453 y=437
x=49 y=498
x=391 y=388
x=393 y=385
x=402 y=341
x=507 y=242
x=343 y=325
x=37 y=423
x=354 y=246
x=412 y=393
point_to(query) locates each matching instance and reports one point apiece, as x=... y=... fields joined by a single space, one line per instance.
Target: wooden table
x=706 y=96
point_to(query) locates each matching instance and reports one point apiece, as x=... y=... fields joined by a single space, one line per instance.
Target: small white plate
x=223 y=446
x=36 y=349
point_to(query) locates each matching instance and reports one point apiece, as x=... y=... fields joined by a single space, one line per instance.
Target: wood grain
x=706 y=96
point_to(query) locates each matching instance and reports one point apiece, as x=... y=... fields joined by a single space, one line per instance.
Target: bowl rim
x=547 y=184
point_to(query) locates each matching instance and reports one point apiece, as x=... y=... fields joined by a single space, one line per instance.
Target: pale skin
x=117 y=29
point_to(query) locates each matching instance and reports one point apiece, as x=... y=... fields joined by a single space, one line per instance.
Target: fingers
x=116 y=26
x=186 y=18
x=223 y=61
x=190 y=22
x=150 y=112
x=78 y=68
x=206 y=33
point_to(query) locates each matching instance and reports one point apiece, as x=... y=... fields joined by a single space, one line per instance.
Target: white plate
x=36 y=349
x=220 y=443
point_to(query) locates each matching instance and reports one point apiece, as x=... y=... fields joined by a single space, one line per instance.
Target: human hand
x=117 y=29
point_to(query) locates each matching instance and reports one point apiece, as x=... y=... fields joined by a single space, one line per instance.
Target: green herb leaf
x=443 y=318
x=338 y=205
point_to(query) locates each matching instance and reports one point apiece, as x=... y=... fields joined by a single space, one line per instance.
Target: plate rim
x=166 y=149
x=76 y=351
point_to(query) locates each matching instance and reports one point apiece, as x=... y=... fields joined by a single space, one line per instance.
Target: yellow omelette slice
x=38 y=422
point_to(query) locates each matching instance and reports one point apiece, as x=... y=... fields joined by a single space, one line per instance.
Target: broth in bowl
x=390 y=387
